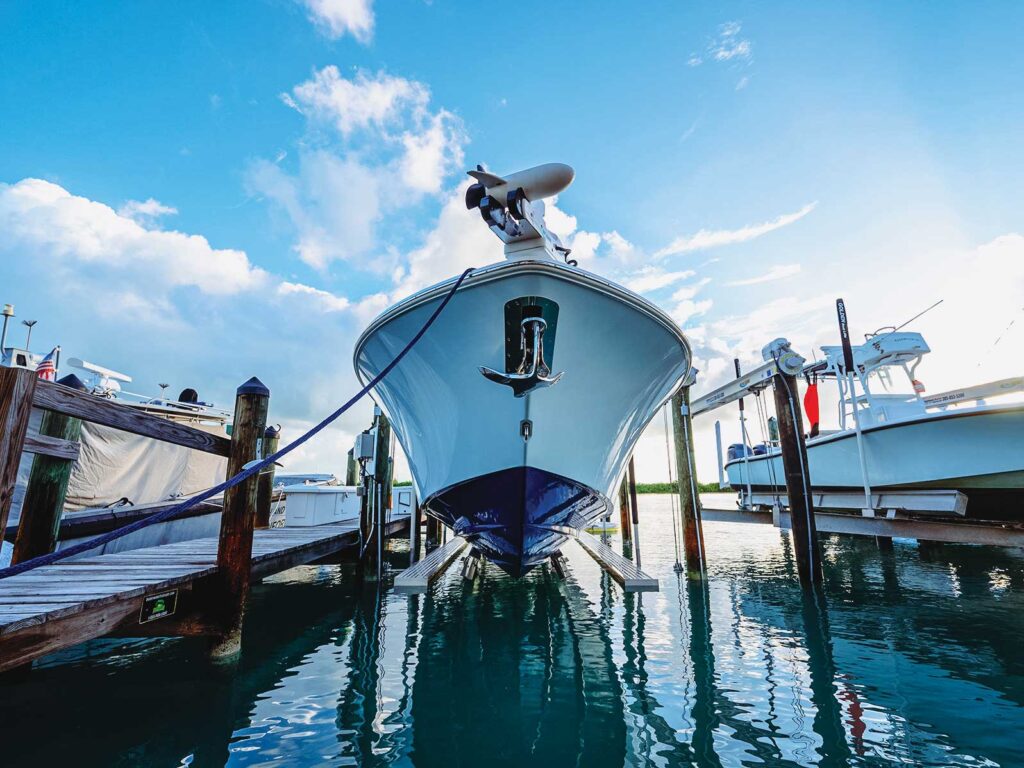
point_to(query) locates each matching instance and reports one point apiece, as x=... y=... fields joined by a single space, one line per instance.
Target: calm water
x=912 y=656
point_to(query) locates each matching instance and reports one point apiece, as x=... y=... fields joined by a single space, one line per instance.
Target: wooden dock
x=61 y=605
x=196 y=587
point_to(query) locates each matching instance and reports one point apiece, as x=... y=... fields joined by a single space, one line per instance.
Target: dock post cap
x=253 y=387
x=73 y=382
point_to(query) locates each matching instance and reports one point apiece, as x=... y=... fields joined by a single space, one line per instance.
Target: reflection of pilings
x=604 y=728
x=197 y=709
x=922 y=621
x=828 y=714
x=702 y=661
x=358 y=705
x=402 y=714
x=646 y=705
x=507 y=656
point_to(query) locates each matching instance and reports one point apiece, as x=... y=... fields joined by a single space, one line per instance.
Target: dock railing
x=55 y=448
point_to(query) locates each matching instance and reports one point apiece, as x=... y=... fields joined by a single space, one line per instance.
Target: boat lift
x=782 y=359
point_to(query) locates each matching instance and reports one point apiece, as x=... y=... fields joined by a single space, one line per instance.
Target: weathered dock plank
x=67 y=603
x=82 y=405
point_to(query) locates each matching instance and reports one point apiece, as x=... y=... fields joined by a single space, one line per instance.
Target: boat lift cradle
x=513 y=209
x=417 y=578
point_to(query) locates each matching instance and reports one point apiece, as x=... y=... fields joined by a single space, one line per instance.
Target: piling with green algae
x=265 y=487
x=689 y=499
x=234 y=548
x=46 y=491
x=377 y=494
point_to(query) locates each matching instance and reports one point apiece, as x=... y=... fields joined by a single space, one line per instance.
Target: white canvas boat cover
x=115 y=464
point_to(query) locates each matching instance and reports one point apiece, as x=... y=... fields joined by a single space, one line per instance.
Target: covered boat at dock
x=519 y=409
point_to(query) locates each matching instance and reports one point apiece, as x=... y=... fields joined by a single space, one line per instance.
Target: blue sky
x=296 y=166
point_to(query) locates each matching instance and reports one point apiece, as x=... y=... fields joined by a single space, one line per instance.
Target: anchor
x=533 y=373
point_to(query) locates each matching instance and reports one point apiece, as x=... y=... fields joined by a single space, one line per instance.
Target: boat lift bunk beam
x=620 y=568
x=417 y=578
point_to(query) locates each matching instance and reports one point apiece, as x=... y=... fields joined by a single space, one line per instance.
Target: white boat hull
x=979 y=451
x=516 y=498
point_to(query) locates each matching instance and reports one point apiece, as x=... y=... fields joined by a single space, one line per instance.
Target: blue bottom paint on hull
x=517 y=517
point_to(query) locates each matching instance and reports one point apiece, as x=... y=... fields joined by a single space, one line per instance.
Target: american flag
x=47 y=367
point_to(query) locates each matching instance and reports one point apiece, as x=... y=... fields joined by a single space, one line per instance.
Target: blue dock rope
x=241 y=477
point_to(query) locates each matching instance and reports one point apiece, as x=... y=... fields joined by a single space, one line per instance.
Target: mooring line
x=241 y=477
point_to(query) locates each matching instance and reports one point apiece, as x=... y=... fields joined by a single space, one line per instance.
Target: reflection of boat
x=911 y=441
x=518 y=410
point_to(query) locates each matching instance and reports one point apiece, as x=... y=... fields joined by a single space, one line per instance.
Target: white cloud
x=729 y=46
x=557 y=220
x=326 y=300
x=40 y=217
x=714 y=238
x=778 y=272
x=431 y=153
x=458 y=241
x=684 y=310
x=145 y=211
x=689 y=291
x=584 y=247
x=338 y=17
x=374 y=148
x=654 y=278
x=367 y=100
x=333 y=203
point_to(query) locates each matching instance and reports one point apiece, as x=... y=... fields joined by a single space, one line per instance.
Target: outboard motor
x=738 y=451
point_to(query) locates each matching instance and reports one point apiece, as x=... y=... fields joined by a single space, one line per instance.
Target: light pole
x=28 y=339
x=8 y=313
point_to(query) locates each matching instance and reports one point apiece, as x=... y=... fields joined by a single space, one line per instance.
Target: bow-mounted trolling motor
x=513 y=208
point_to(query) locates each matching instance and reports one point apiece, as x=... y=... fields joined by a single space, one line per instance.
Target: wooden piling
x=43 y=506
x=635 y=509
x=433 y=537
x=689 y=499
x=351 y=470
x=17 y=388
x=625 y=521
x=798 y=480
x=265 y=486
x=416 y=515
x=381 y=493
x=365 y=483
x=234 y=550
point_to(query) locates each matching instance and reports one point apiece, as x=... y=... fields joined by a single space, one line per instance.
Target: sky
x=196 y=193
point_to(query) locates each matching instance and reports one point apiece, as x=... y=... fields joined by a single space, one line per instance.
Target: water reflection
x=907 y=655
